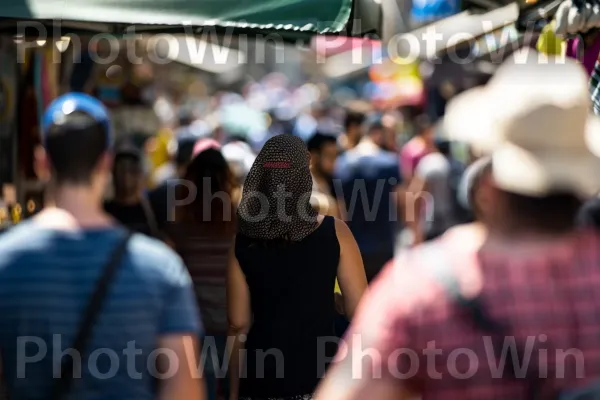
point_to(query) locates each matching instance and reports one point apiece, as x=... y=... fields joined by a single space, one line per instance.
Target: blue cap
x=58 y=111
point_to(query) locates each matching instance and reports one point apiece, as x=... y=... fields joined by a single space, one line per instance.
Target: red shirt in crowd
x=412 y=332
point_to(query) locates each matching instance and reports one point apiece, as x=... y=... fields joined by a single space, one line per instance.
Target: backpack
x=438 y=266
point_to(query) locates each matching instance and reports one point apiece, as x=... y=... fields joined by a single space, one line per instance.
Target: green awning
x=293 y=16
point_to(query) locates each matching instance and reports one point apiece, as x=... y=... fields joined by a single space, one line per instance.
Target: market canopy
x=288 y=17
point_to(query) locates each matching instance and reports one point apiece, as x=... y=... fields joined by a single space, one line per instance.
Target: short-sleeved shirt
x=367 y=182
x=437 y=171
x=546 y=296
x=46 y=279
x=410 y=156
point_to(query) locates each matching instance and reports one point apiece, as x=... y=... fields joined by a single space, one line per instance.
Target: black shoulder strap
x=63 y=384
x=438 y=265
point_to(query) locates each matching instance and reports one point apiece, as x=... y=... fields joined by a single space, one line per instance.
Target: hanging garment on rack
x=586 y=54
x=577 y=16
x=595 y=88
x=548 y=43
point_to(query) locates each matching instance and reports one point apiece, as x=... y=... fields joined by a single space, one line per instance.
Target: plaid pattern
x=595 y=88
x=550 y=295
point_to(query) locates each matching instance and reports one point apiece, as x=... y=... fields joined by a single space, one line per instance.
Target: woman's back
x=291 y=289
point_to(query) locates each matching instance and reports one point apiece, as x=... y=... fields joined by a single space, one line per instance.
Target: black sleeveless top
x=291 y=287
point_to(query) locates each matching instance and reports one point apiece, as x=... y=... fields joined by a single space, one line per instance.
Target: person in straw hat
x=439 y=315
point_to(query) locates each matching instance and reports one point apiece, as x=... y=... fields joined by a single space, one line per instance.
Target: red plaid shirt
x=547 y=294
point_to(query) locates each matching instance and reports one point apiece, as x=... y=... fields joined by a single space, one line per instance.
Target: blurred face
x=354 y=130
x=389 y=140
x=127 y=176
x=429 y=135
x=378 y=136
x=324 y=160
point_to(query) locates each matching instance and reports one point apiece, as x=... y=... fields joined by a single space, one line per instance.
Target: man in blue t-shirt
x=49 y=267
x=367 y=183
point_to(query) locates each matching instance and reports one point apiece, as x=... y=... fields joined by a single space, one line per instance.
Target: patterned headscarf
x=276 y=198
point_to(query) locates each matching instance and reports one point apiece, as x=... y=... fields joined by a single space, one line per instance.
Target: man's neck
x=513 y=232
x=72 y=207
x=350 y=139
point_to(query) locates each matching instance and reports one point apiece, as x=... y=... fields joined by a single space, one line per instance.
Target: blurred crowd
x=278 y=220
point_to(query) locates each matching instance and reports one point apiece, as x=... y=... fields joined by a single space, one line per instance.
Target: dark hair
x=185 y=117
x=554 y=213
x=210 y=174
x=185 y=149
x=127 y=156
x=127 y=150
x=319 y=140
x=237 y=137
x=75 y=147
x=422 y=124
x=444 y=147
x=354 y=118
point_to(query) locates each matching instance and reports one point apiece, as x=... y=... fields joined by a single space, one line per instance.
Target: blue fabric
x=46 y=280
x=367 y=183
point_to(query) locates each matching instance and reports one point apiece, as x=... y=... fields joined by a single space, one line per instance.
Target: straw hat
x=534 y=119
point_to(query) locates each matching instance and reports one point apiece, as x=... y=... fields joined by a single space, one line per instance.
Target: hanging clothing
x=548 y=43
x=595 y=88
x=589 y=51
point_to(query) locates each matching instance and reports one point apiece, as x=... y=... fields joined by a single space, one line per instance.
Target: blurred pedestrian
x=353 y=125
x=471 y=194
x=390 y=124
x=180 y=148
x=417 y=147
x=280 y=281
x=323 y=154
x=77 y=284
x=370 y=186
x=161 y=198
x=323 y=151
x=130 y=206
x=528 y=283
x=203 y=235
x=437 y=176
x=240 y=156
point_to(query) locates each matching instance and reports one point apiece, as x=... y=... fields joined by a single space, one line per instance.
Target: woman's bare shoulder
x=342 y=231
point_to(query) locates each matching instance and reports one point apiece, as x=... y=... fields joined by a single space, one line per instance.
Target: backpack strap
x=439 y=266
x=62 y=386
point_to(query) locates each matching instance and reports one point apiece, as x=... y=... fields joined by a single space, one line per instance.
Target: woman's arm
x=239 y=316
x=413 y=208
x=351 y=271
